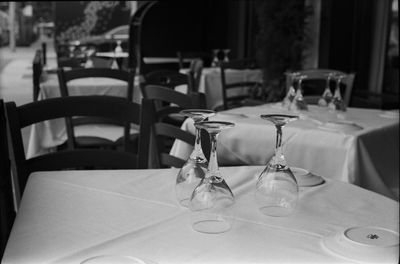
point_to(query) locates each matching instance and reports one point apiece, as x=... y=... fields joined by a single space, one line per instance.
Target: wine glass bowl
x=226 y=57
x=327 y=95
x=215 y=61
x=276 y=188
x=298 y=102
x=212 y=200
x=337 y=103
x=291 y=92
x=193 y=170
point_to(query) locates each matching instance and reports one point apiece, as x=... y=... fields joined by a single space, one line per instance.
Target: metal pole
x=11 y=24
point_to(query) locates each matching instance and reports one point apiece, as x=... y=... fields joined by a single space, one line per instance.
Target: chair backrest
x=321 y=76
x=185 y=58
x=99 y=62
x=37 y=69
x=230 y=98
x=7 y=213
x=195 y=71
x=96 y=106
x=173 y=101
x=164 y=77
x=65 y=76
x=70 y=62
x=163 y=136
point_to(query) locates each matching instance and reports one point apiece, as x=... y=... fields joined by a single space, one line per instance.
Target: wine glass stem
x=279 y=159
x=213 y=162
x=197 y=145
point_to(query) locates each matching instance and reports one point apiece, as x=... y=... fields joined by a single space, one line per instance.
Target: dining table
x=359 y=146
x=47 y=135
x=133 y=216
x=210 y=82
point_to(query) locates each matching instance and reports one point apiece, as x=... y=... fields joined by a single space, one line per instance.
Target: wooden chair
x=37 y=69
x=239 y=97
x=73 y=123
x=163 y=135
x=314 y=85
x=184 y=57
x=195 y=71
x=110 y=107
x=170 y=102
x=7 y=213
x=165 y=77
x=99 y=62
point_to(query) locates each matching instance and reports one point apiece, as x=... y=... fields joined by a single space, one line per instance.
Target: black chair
x=37 y=69
x=73 y=123
x=163 y=134
x=239 y=97
x=165 y=77
x=7 y=213
x=314 y=85
x=186 y=57
x=170 y=102
x=195 y=71
x=110 y=107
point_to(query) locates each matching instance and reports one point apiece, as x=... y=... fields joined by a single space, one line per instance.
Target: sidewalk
x=16 y=71
x=16 y=82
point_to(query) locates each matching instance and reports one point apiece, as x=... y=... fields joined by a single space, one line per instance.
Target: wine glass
x=195 y=167
x=226 y=52
x=212 y=200
x=118 y=48
x=337 y=103
x=291 y=92
x=298 y=102
x=277 y=189
x=327 y=96
x=215 y=60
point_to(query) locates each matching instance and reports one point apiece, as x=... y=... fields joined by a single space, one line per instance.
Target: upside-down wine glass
x=215 y=60
x=298 y=102
x=212 y=200
x=195 y=167
x=291 y=92
x=277 y=189
x=337 y=103
x=326 y=96
x=226 y=52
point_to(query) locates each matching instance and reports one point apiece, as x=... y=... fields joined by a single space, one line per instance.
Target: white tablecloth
x=367 y=157
x=49 y=134
x=210 y=82
x=67 y=217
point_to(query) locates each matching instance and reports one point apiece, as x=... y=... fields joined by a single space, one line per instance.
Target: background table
x=210 y=82
x=49 y=134
x=367 y=157
x=69 y=216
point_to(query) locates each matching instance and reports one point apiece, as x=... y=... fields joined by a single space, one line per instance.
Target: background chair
x=110 y=107
x=195 y=71
x=163 y=136
x=314 y=85
x=176 y=102
x=7 y=213
x=186 y=57
x=167 y=78
x=74 y=123
x=236 y=94
x=170 y=102
x=37 y=69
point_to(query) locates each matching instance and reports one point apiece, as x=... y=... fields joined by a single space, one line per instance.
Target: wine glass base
x=212 y=226
x=276 y=211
